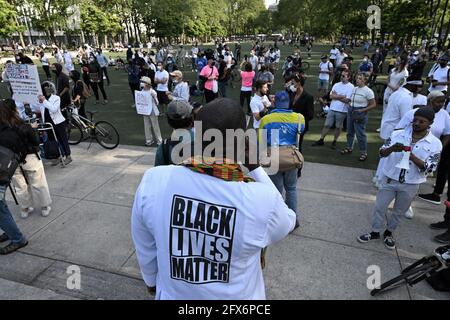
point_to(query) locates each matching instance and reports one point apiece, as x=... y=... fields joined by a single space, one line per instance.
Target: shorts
x=335 y=118
x=324 y=84
x=162 y=97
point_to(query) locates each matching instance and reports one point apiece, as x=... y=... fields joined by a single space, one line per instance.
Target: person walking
x=247 y=77
x=45 y=65
x=362 y=101
x=400 y=183
x=80 y=93
x=151 y=124
x=10 y=139
x=96 y=79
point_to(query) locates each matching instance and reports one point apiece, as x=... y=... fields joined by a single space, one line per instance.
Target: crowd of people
x=207 y=244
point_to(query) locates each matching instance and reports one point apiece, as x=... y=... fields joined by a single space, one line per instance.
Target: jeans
x=7 y=223
x=287 y=181
x=223 y=88
x=358 y=127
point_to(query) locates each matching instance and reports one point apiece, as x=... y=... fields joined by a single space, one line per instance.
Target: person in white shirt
x=162 y=82
x=50 y=109
x=439 y=75
x=181 y=91
x=151 y=124
x=68 y=63
x=333 y=55
x=194 y=54
x=195 y=237
x=441 y=124
x=340 y=57
x=340 y=95
x=325 y=72
x=419 y=99
x=411 y=154
x=45 y=65
x=253 y=59
x=103 y=62
x=260 y=103
x=396 y=80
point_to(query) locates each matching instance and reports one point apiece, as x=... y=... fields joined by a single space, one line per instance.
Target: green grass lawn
x=131 y=126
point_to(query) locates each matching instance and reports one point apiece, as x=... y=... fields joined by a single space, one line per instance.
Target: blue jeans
x=287 y=181
x=358 y=127
x=7 y=223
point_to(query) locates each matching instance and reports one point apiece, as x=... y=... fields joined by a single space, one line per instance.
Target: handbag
x=215 y=87
x=358 y=116
x=289 y=157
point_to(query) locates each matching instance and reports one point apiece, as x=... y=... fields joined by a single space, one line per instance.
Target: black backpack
x=9 y=162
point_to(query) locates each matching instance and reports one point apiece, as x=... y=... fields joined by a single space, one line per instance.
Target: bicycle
x=80 y=129
x=419 y=271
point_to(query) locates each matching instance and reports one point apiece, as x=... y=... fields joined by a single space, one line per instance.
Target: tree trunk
x=105 y=38
x=20 y=33
x=83 y=40
x=441 y=28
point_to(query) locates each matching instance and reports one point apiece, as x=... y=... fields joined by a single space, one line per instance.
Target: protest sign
x=25 y=83
x=143 y=103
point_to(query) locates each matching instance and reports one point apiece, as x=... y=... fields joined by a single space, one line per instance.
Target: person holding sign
x=147 y=105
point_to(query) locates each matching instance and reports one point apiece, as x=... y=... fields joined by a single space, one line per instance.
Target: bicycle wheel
x=417 y=273
x=379 y=88
x=74 y=133
x=106 y=135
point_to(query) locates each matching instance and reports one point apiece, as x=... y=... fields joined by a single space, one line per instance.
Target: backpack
x=86 y=93
x=9 y=162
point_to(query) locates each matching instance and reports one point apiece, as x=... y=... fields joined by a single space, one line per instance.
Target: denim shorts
x=323 y=84
x=335 y=118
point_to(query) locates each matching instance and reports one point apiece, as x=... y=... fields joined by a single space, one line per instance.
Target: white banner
x=143 y=103
x=25 y=83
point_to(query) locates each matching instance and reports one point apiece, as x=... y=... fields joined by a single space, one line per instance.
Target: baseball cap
x=426 y=112
x=146 y=80
x=177 y=74
x=179 y=109
x=282 y=100
x=435 y=94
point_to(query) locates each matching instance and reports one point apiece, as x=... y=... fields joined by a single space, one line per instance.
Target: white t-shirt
x=334 y=53
x=257 y=104
x=400 y=103
x=44 y=61
x=441 y=75
x=420 y=100
x=325 y=66
x=196 y=239
x=340 y=58
x=361 y=96
x=160 y=75
x=439 y=128
x=342 y=90
x=194 y=52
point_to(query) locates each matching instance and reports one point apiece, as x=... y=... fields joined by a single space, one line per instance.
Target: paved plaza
x=90 y=227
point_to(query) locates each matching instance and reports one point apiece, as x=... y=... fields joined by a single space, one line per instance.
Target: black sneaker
x=432 y=198
x=10 y=248
x=3 y=238
x=319 y=143
x=365 y=238
x=444 y=225
x=443 y=238
x=389 y=242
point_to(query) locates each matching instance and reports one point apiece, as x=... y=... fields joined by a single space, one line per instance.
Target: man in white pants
x=151 y=123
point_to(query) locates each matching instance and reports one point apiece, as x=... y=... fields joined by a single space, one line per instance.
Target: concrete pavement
x=90 y=227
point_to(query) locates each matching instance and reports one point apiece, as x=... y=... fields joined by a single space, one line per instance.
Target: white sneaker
x=24 y=213
x=375 y=180
x=46 y=211
x=409 y=214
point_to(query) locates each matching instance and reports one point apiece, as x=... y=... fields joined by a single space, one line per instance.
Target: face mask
x=175 y=82
x=365 y=59
x=293 y=88
x=159 y=68
x=91 y=60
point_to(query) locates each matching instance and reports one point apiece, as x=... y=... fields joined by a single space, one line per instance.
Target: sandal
x=363 y=157
x=346 y=151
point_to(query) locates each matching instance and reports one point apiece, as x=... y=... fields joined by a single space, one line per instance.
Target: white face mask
x=159 y=68
x=293 y=88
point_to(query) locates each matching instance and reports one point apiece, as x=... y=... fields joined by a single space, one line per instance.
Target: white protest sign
x=25 y=83
x=143 y=103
